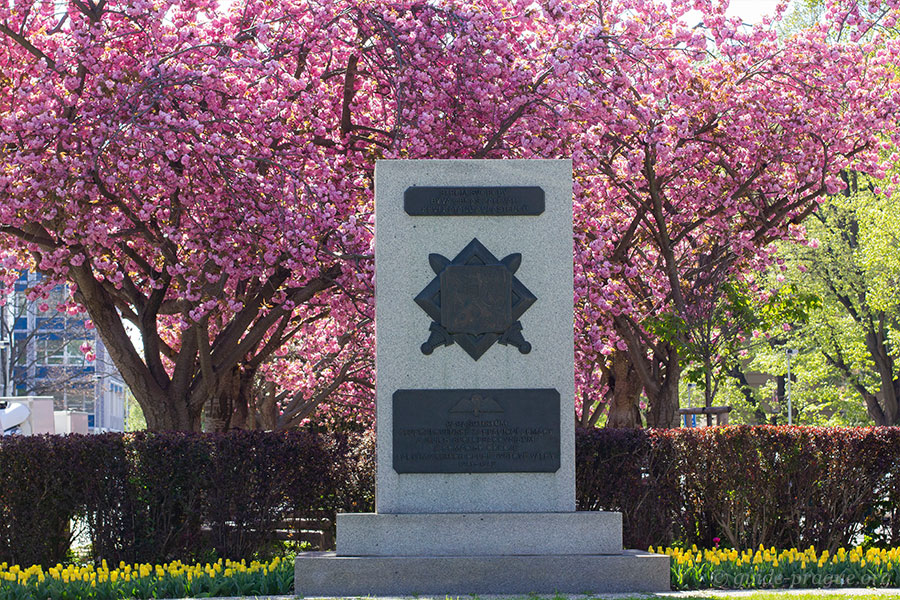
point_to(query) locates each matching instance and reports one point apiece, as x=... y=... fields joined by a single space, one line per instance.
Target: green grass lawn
x=831 y=594
x=827 y=594
x=746 y=595
x=700 y=595
x=751 y=595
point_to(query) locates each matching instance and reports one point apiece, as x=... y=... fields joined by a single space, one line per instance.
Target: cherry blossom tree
x=204 y=171
x=702 y=147
x=324 y=376
x=190 y=170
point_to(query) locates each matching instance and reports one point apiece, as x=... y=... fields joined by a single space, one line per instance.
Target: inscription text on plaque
x=473 y=201
x=476 y=431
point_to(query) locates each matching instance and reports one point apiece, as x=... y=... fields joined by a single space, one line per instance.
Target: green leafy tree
x=820 y=395
x=717 y=343
x=853 y=265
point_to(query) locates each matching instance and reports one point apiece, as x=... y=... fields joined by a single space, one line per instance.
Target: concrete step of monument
x=327 y=574
x=478 y=534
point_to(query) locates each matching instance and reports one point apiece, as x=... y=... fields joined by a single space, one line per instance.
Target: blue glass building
x=43 y=357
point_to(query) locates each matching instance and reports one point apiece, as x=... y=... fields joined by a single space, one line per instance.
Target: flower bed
x=173 y=580
x=691 y=569
x=770 y=568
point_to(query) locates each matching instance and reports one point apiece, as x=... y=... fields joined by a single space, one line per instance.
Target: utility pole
x=4 y=365
x=690 y=388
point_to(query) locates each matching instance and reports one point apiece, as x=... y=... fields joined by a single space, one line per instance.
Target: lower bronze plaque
x=476 y=431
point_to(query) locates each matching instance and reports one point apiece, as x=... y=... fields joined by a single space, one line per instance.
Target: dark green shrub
x=155 y=497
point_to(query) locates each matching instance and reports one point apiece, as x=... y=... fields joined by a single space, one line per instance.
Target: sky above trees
x=751 y=11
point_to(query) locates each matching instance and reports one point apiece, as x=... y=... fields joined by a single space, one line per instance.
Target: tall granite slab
x=403 y=243
x=475 y=489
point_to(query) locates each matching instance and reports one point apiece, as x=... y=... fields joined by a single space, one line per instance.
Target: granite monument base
x=327 y=574
x=479 y=534
x=406 y=554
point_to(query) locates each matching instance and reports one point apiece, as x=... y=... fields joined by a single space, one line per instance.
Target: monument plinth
x=475 y=490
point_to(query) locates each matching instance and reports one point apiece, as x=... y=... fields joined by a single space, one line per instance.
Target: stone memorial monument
x=475 y=490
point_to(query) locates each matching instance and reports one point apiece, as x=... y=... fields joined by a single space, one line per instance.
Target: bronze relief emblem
x=474 y=301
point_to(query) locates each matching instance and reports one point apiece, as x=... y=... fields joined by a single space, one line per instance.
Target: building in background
x=41 y=354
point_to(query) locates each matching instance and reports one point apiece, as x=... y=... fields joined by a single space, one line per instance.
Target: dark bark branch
x=208 y=374
x=837 y=361
x=109 y=325
x=41 y=238
x=297 y=409
x=258 y=294
x=625 y=328
x=225 y=356
x=185 y=366
x=28 y=46
x=349 y=93
x=148 y=312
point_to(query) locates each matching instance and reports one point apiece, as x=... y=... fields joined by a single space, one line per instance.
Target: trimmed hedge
x=151 y=498
x=787 y=487
x=40 y=492
x=154 y=497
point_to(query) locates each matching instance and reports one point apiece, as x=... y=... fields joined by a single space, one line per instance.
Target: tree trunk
x=663 y=407
x=873 y=409
x=877 y=344
x=746 y=390
x=165 y=415
x=266 y=406
x=894 y=407
x=625 y=392
x=217 y=413
x=230 y=408
x=658 y=374
x=204 y=370
x=662 y=398
x=242 y=417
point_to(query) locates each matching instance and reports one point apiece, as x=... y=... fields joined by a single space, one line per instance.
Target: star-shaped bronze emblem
x=475 y=300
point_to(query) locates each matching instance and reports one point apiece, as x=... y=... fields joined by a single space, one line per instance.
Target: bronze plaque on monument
x=470 y=201
x=476 y=431
x=475 y=300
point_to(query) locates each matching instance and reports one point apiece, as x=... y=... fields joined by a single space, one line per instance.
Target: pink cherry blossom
x=203 y=170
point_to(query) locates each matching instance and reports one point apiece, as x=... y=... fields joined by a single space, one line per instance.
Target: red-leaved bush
x=156 y=497
x=777 y=486
x=160 y=496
